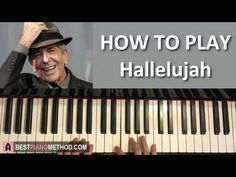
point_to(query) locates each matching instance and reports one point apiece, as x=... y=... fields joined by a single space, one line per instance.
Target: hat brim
x=50 y=42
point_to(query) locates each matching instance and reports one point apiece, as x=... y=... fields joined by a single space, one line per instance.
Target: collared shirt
x=63 y=85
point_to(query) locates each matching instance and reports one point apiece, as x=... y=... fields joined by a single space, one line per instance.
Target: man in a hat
x=46 y=50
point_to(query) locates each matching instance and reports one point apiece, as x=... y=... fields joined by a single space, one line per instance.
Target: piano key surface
x=174 y=125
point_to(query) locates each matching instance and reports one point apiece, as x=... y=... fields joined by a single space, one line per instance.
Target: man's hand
x=75 y=141
x=138 y=149
x=31 y=31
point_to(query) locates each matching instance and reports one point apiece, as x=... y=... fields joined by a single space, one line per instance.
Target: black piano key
x=137 y=116
x=103 y=116
x=184 y=117
x=54 y=126
x=113 y=116
x=202 y=117
x=193 y=117
x=159 y=94
x=225 y=117
x=69 y=116
x=44 y=116
x=19 y=107
x=8 y=117
x=89 y=116
x=160 y=117
x=127 y=116
x=228 y=93
x=79 y=116
x=29 y=113
x=170 y=116
x=146 y=116
x=216 y=118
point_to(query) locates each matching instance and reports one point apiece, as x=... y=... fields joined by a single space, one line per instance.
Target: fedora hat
x=49 y=37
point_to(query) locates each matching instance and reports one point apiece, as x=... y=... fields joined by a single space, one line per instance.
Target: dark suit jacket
x=12 y=78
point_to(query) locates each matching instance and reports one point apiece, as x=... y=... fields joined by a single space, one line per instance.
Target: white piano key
x=213 y=137
x=234 y=123
x=149 y=137
x=116 y=137
x=141 y=120
x=229 y=137
x=39 y=136
x=13 y=136
x=57 y=138
x=1 y=99
x=92 y=137
x=66 y=138
x=49 y=136
x=22 y=137
x=74 y=121
x=165 y=135
x=132 y=134
x=99 y=136
x=174 y=147
x=84 y=135
x=31 y=138
x=198 y=136
x=157 y=136
x=206 y=136
x=181 y=137
x=124 y=136
x=221 y=136
x=4 y=137
x=108 y=135
x=189 y=136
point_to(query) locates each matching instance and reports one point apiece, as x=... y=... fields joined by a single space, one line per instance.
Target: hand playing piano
x=76 y=141
x=138 y=149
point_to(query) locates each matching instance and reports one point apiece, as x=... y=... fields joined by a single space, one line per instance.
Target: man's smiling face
x=49 y=62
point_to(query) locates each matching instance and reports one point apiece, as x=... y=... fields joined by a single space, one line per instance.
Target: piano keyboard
x=177 y=121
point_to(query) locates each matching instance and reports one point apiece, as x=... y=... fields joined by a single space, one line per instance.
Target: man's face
x=49 y=63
